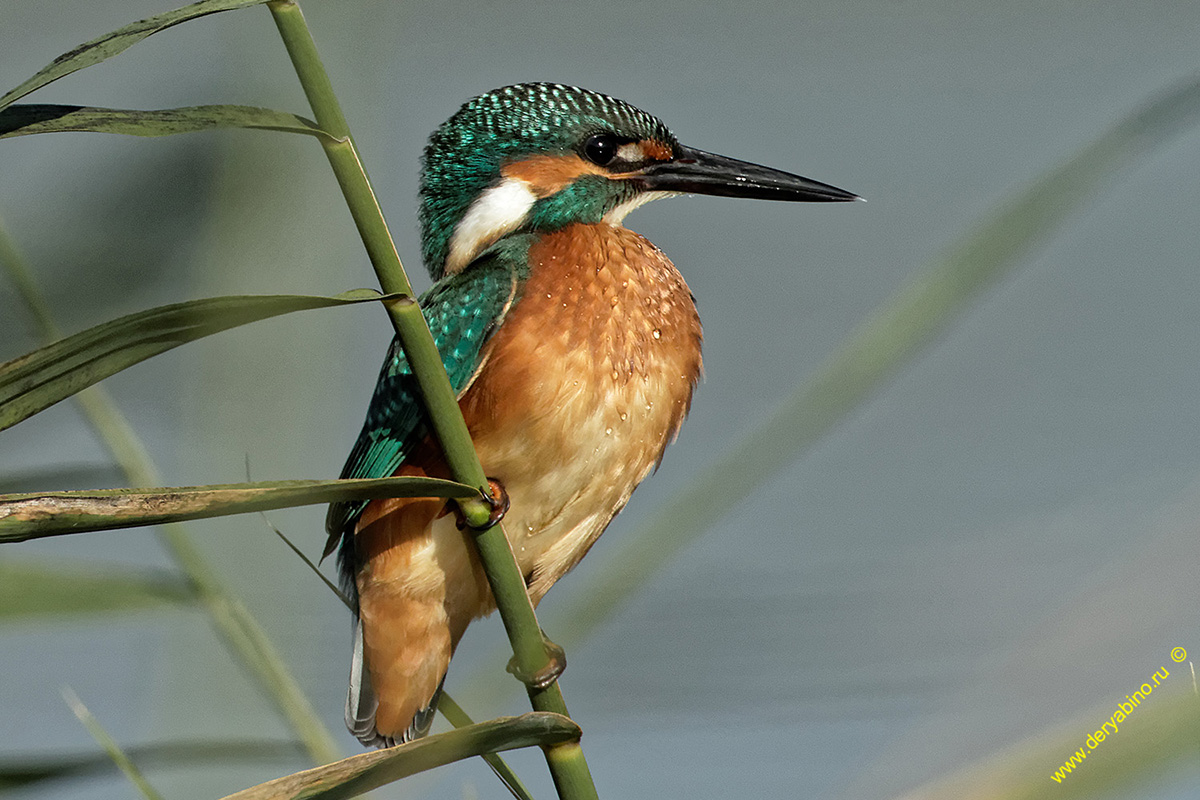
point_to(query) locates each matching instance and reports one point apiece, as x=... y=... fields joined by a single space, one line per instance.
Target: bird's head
x=539 y=156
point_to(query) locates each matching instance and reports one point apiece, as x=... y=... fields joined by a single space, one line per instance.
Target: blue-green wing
x=463 y=310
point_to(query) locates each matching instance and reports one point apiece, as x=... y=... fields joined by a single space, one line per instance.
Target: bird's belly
x=568 y=473
x=585 y=385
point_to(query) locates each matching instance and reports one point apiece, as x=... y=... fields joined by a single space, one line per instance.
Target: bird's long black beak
x=708 y=173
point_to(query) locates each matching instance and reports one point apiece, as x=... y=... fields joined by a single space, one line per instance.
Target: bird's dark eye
x=601 y=148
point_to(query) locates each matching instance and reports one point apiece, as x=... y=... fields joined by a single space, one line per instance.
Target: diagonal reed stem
x=566 y=761
x=102 y=737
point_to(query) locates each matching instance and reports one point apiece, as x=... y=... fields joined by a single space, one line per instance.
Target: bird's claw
x=555 y=665
x=498 y=500
x=498 y=503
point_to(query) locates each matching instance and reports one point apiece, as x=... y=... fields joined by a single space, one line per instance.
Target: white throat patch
x=617 y=214
x=494 y=213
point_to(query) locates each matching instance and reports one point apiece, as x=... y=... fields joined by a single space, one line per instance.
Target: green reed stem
x=566 y=762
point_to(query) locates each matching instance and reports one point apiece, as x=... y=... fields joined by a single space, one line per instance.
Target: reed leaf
x=110 y=44
x=38 y=380
x=42 y=514
x=237 y=627
x=353 y=776
x=28 y=119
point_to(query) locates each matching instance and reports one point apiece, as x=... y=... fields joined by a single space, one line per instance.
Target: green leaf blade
x=26 y=120
x=34 y=516
x=48 y=375
x=110 y=44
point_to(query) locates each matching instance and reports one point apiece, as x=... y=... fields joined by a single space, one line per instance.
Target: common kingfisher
x=573 y=344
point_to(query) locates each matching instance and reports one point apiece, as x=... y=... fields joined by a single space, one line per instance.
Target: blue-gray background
x=1002 y=540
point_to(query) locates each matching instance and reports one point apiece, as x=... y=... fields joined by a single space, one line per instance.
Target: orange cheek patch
x=656 y=150
x=547 y=175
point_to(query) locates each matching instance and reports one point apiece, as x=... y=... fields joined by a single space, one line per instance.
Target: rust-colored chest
x=583 y=386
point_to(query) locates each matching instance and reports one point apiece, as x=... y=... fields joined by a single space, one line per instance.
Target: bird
x=573 y=345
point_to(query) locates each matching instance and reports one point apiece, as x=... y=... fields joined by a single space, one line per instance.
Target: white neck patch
x=497 y=211
x=616 y=215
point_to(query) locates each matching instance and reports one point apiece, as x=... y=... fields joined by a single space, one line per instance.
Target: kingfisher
x=573 y=345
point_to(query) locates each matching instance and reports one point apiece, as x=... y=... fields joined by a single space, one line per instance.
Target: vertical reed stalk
x=566 y=762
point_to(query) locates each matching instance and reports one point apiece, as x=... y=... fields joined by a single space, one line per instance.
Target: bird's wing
x=463 y=311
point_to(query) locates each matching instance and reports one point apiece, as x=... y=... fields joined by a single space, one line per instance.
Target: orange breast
x=582 y=388
x=585 y=384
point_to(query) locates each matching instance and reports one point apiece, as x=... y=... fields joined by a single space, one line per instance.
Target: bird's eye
x=600 y=148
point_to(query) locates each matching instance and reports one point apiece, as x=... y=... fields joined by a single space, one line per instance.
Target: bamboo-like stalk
x=531 y=653
x=233 y=621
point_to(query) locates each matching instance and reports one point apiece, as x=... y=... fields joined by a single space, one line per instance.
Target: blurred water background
x=1000 y=543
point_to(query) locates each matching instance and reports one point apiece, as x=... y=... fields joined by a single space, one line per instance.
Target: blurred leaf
x=110 y=44
x=1158 y=735
x=24 y=120
x=110 y=745
x=41 y=514
x=244 y=637
x=887 y=340
x=58 y=476
x=32 y=590
x=353 y=776
x=16 y=773
x=237 y=627
x=40 y=379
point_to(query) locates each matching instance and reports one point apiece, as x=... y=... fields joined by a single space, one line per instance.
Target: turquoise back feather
x=463 y=311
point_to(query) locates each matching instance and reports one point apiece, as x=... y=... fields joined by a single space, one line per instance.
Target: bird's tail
x=362 y=704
